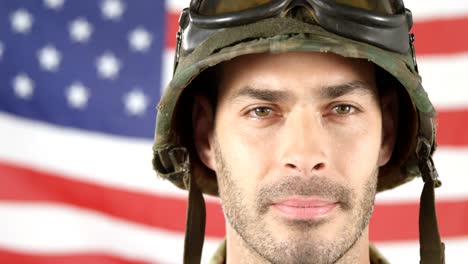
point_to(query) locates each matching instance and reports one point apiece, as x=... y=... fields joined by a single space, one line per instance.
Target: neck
x=237 y=251
x=359 y=252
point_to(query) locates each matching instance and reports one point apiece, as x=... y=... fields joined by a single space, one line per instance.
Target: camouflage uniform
x=175 y=159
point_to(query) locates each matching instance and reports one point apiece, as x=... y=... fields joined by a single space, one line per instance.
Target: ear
x=203 y=129
x=389 y=104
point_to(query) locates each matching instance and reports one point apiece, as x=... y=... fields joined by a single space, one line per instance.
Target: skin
x=296 y=127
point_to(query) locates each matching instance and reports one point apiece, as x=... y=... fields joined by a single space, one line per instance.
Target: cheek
x=355 y=150
x=246 y=153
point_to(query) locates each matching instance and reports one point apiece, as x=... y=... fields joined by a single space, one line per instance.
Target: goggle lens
x=220 y=7
x=380 y=7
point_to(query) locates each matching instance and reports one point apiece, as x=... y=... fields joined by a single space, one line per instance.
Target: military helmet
x=214 y=31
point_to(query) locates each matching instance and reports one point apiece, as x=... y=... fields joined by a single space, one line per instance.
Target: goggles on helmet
x=383 y=23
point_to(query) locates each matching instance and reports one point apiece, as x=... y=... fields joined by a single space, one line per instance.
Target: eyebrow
x=263 y=94
x=335 y=91
x=325 y=92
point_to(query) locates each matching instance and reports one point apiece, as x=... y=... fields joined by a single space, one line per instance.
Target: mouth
x=304 y=209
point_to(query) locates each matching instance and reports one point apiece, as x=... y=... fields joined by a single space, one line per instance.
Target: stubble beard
x=252 y=229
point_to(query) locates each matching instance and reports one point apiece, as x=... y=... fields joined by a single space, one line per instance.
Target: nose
x=304 y=140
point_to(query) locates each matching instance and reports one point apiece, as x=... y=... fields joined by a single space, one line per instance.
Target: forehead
x=293 y=70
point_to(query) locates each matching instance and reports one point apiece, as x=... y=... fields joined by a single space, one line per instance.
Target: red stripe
x=441 y=36
x=26 y=184
x=172 y=26
x=452 y=128
x=436 y=36
x=390 y=222
x=396 y=222
x=7 y=256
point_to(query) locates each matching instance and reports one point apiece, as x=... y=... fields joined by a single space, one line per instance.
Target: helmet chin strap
x=431 y=248
x=195 y=225
x=174 y=163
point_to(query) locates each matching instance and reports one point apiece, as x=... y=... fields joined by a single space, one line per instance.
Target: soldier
x=296 y=113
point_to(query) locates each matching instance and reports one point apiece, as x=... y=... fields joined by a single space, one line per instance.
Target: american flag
x=79 y=82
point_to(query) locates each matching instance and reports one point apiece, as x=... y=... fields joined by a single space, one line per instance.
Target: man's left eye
x=261 y=112
x=344 y=109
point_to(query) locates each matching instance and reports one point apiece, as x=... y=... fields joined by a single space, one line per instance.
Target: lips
x=304 y=209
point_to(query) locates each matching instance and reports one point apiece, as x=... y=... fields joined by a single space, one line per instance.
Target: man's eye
x=344 y=109
x=261 y=112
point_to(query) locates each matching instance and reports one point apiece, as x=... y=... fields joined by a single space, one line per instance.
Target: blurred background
x=79 y=85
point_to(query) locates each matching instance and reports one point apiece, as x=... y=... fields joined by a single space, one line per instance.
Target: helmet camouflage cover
x=174 y=156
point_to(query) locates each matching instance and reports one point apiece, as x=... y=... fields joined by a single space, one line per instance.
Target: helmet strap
x=431 y=248
x=195 y=225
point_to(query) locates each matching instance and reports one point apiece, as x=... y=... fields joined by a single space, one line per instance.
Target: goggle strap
x=195 y=225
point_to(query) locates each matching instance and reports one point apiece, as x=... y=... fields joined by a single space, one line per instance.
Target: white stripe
x=167 y=67
x=454 y=179
x=54 y=229
x=177 y=5
x=78 y=154
x=114 y=161
x=422 y=10
x=443 y=78
x=408 y=252
x=434 y=9
x=126 y=163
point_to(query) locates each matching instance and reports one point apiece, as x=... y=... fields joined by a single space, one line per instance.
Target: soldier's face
x=296 y=142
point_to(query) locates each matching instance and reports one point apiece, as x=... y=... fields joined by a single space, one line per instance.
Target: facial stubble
x=299 y=248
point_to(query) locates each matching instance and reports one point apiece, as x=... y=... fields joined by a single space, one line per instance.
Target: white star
x=2 y=48
x=80 y=30
x=23 y=86
x=108 y=66
x=136 y=102
x=49 y=58
x=54 y=4
x=139 y=39
x=77 y=95
x=112 y=9
x=21 y=21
